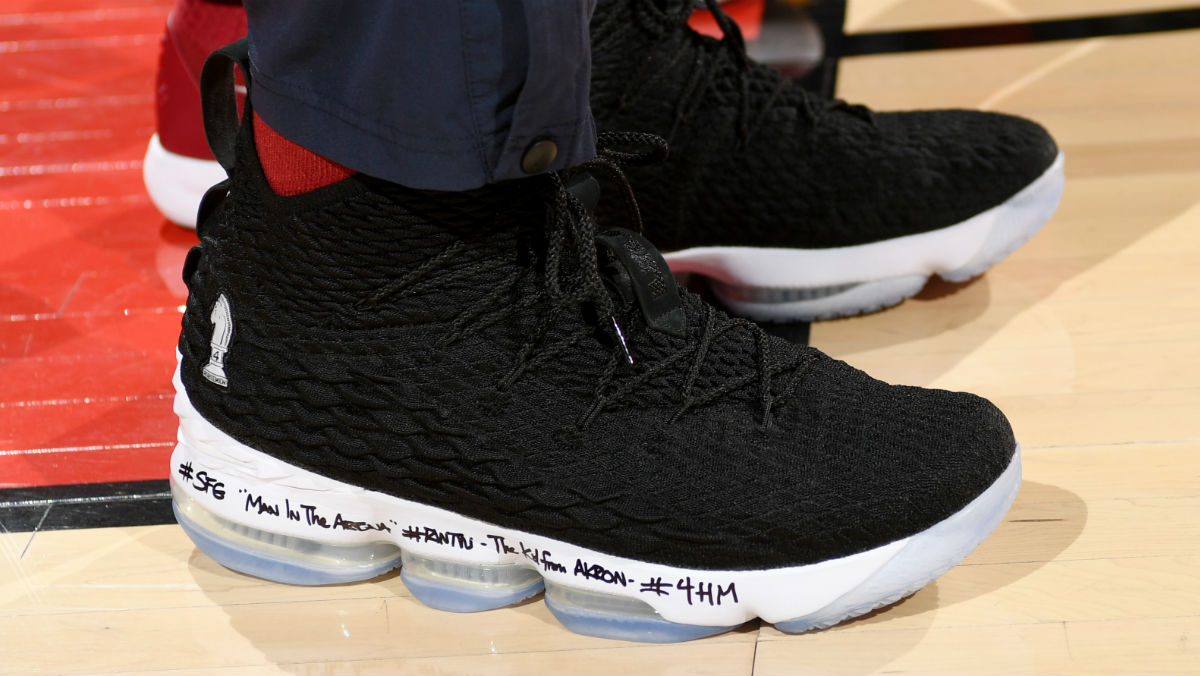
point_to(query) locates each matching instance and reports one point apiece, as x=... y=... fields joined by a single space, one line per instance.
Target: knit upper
x=477 y=352
x=757 y=161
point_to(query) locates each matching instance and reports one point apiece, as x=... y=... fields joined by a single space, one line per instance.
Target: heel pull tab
x=213 y=198
x=218 y=97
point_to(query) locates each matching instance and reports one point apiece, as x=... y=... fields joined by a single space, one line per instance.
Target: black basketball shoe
x=484 y=389
x=798 y=207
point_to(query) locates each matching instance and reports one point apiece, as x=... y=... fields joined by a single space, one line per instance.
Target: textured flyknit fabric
x=458 y=350
x=757 y=161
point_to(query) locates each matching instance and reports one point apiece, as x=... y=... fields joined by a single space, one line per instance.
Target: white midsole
x=259 y=491
x=176 y=183
x=938 y=251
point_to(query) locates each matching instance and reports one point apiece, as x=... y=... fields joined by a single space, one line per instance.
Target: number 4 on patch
x=222 y=320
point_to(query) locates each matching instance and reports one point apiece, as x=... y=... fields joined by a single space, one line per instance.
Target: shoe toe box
x=954 y=164
x=892 y=461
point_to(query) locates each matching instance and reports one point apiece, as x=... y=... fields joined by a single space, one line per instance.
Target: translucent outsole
x=593 y=614
x=279 y=558
x=463 y=588
x=445 y=585
x=778 y=305
x=458 y=576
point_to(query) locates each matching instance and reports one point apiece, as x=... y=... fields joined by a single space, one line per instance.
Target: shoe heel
x=277 y=557
x=467 y=588
x=609 y=616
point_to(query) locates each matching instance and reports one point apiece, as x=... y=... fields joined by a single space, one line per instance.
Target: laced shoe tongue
x=634 y=268
x=637 y=269
x=586 y=189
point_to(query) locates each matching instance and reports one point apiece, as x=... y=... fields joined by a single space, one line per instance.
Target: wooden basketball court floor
x=1086 y=338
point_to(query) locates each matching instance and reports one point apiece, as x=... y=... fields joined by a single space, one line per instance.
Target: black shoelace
x=722 y=64
x=573 y=279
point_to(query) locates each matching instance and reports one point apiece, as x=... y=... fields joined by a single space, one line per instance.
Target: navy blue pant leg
x=432 y=94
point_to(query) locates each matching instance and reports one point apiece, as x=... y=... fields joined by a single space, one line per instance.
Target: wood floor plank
x=116 y=569
x=1118 y=471
x=995 y=595
x=339 y=630
x=1160 y=646
x=1071 y=419
x=888 y=15
x=688 y=658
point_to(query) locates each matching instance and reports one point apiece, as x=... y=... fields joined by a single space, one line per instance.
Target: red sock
x=292 y=169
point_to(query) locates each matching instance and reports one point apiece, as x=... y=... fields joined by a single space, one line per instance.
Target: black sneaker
x=480 y=387
x=803 y=208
